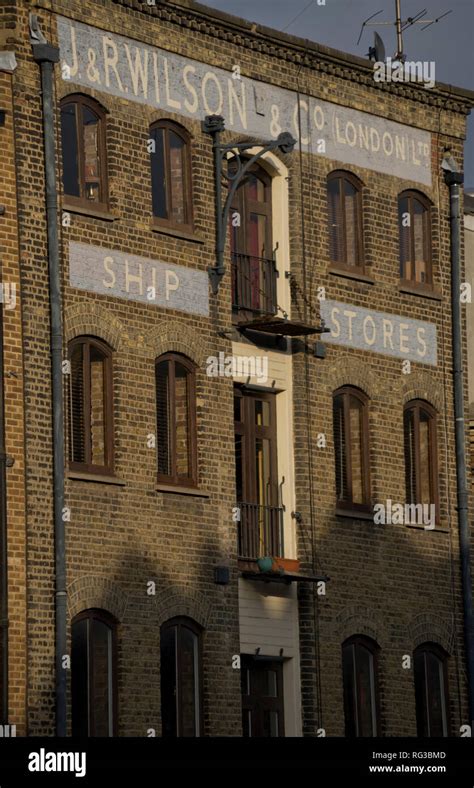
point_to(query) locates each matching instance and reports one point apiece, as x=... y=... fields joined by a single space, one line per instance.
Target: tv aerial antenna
x=377 y=52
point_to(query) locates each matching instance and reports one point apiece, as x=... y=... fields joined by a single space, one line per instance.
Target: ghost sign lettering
x=158 y=78
x=379 y=332
x=108 y=272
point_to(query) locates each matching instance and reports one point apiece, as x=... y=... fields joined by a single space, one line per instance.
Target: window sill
x=424 y=528
x=353 y=514
x=424 y=292
x=86 y=210
x=175 y=233
x=176 y=489
x=95 y=477
x=351 y=274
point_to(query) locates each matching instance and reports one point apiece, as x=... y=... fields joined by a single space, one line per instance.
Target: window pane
x=420 y=241
x=336 y=245
x=238 y=467
x=255 y=188
x=76 y=407
x=177 y=175
x=366 y=691
x=348 y=672
x=270 y=723
x=425 y=464
x=101 y=695
x=357 y=462
x=163 y=418
x=340 y=450
x=247 y=723
x=410 y=462
x=188 y=680
x=351 y=224
x=182 y=420
x=79 y=678
x=404 y=223
x=97 y=407
x=262 y=465
x=262 y=413
x=436 y=699
x=91 y=154
x=238 y=409
x=158 y=175
x=272 y=684
x=168 y=682
x=69 y=150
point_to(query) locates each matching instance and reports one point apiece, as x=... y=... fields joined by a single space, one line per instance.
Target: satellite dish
x=377 y=52
x=379 y=48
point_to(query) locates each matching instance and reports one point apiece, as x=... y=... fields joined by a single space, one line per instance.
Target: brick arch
x=358 y=620
x=93 y=320
x=351 y=371
x=420 y=385
x=177 y=337
x=425 y=627
x=99 y=592
x=189 y=603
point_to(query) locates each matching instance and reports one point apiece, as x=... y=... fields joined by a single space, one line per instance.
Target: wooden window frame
x=374 y=649
x=443 y=657
x=250 y=432
x=170 y=223
x=411 y=195
x=173 y=478
x=343 y=175
x=346 y=392
x=80 y=101
x=88 y=467
x=179 y=622
x=111 y=622
x=417 y=405
x=244 y=206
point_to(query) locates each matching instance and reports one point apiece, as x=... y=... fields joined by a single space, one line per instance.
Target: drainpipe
x=3 y=537
x=454 y=179
x=46 y=55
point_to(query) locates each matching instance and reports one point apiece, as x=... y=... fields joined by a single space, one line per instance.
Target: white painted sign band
x=379 y=332
x=130 y=69
x=113 y=273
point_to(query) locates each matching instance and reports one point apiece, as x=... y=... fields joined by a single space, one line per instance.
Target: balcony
x=254 y=286
x=260 y=531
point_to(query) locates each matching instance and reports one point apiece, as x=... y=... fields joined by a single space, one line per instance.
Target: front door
x=262 y=697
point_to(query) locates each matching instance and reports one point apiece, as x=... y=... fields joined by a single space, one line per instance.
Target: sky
x=449 y=43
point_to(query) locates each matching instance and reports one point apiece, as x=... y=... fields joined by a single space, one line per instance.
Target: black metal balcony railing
x=254 y=285
x=260 y=531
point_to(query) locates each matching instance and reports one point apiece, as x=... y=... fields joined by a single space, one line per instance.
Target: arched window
x=250 y=229
x=176 y=420
x=84 y=151
x=414 y=218
x=431 y=690
x=361 y=703
x=421 y=462
x=181 y=694
x=344 y=195
x=94 y=674
x=91 y=442
x=351 y=445
x=170 y=158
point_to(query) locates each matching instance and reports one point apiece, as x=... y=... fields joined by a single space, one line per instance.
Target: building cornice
x=300 y=52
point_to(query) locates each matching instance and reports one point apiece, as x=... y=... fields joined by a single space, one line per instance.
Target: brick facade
x=398 y=585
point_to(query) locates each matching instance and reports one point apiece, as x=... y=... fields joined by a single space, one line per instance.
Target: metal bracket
x=215 y=125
